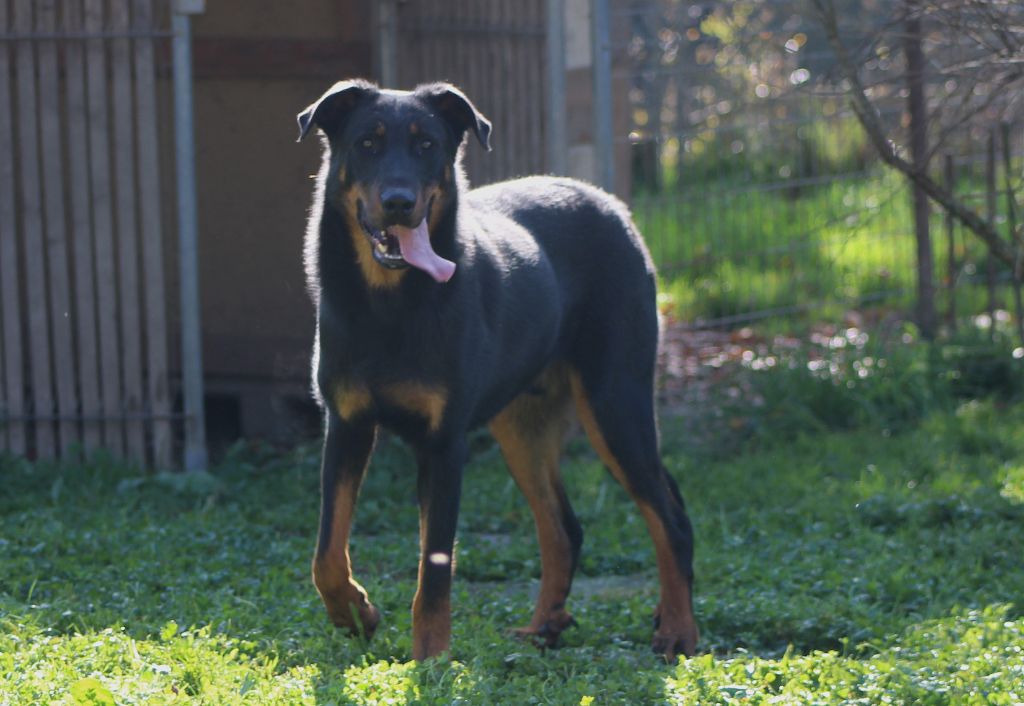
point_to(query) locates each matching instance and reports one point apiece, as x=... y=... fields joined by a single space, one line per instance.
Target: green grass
x=869 y=562
x=729 y=248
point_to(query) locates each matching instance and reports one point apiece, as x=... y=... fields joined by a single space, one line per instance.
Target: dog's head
x=393 y=156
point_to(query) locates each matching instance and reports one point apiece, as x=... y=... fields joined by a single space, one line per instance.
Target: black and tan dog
x=440 y=309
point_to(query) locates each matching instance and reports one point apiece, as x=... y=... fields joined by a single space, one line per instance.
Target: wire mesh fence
x=755 y=185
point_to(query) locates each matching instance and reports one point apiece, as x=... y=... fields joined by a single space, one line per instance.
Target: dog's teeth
x=382 y=248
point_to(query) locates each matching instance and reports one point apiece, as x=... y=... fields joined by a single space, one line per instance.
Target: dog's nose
x=398 y=202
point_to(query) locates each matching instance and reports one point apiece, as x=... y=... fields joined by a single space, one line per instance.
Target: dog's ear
x=330 y=110
x=457 y=110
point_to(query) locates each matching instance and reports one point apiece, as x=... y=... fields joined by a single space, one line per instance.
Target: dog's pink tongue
x=416 y=250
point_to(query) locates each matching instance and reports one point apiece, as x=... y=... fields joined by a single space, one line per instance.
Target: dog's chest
x=388 y=364
x=387 y=401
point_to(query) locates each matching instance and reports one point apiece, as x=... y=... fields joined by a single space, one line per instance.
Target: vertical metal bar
x=32 y=224
x=126 y=218
x=152 y=235
x=1011 y=222
x=951 y=267
x=387 y=64
x=604 y=137
x=919 y=154
x=56 y=232
x=81 y=231
x=188 y=236
x=10 y=299
x=536 y=60
x=101 y=187
x=990 y=216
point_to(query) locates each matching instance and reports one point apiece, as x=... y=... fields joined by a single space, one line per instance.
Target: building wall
x=257 y=64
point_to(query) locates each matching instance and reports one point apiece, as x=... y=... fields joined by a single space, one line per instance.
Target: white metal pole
x=558 y=143
x=188 y=237
x=604 y=136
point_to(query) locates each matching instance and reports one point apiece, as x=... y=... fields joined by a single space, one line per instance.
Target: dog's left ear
x=331 y=109
x=457 y=110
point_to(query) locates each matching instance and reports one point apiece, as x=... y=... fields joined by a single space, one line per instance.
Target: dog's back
x=582 y=228
x=597 y=261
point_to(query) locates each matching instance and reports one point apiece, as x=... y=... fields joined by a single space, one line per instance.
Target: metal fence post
x=558 y=143
x=188 y=236
x=387 y=47
x=604 y=137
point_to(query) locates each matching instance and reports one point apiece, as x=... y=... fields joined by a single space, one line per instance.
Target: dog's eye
x=426 y=144
x=366 y=143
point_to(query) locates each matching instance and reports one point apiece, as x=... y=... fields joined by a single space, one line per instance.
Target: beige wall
x=258 y=63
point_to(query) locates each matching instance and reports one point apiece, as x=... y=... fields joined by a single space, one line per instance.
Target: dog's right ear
x=330 y=110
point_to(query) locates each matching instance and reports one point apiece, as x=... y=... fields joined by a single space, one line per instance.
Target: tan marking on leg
x=350 y=400
x=676 y=622
x=345 y=599
x=341 y=174
x=530 y=432
x=427 y=401
x=431 y=631
x=677 y=627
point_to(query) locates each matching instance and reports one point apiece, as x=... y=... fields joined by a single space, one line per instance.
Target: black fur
x=549 y=271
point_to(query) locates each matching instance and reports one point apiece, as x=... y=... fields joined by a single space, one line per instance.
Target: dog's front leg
x=439 y=486
x=347 y=449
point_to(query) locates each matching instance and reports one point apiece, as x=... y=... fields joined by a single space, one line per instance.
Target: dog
x=441 y=309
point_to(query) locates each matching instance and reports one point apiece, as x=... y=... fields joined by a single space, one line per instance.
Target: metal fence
x=84 y=357
x=496 y=51
x=753 y=182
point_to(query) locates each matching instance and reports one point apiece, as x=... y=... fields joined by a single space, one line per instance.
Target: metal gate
x=84 y=335
x=497 y=52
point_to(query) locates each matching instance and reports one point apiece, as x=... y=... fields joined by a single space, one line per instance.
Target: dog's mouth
x=397 y=246
x=383 y=243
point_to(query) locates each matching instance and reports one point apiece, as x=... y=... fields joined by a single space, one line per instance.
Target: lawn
x=732 y=249
x=862 y=559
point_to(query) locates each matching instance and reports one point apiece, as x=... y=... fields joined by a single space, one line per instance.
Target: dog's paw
x=358 y=619
x=545 y=634
x=674 y=638
x=671 y=646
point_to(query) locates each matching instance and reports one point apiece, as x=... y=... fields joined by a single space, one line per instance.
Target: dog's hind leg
x=617 y=412
x=530 y=432
x=347 y=449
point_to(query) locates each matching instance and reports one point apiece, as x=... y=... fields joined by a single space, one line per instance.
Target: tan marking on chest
x=350 y=400
x=374 y=273
x=427 y=401
x=435 y=193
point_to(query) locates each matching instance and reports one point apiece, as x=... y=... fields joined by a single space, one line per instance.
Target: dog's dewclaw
x=417 y=251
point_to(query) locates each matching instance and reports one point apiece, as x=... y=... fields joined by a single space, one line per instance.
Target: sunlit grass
x=858 y=539
x=729 y=249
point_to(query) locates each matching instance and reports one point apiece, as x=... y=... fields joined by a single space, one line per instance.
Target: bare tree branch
x=869 y=119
